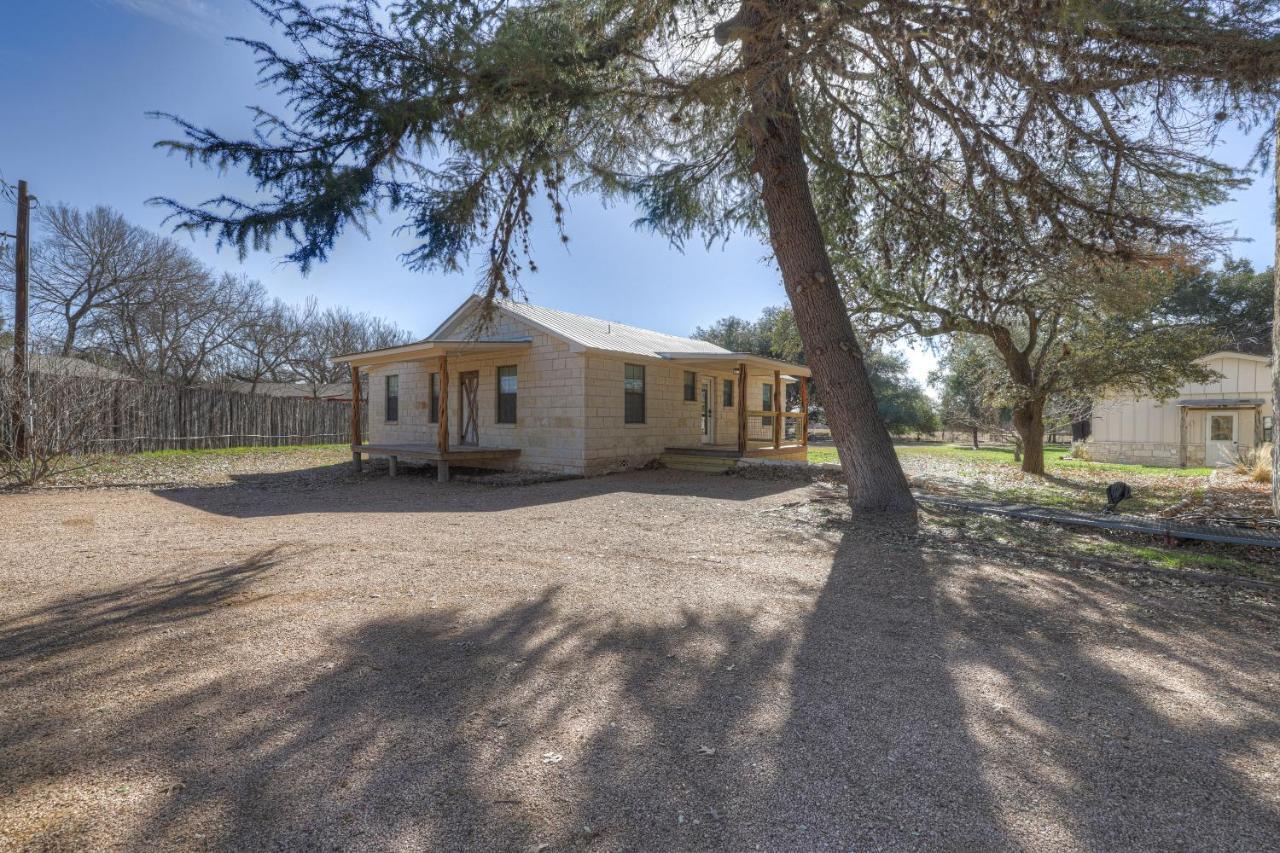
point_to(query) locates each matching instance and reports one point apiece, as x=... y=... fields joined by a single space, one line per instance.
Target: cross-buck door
x=469 y=408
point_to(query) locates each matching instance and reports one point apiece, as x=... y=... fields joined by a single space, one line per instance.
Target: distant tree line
x=901 y=402
x=1141 y=334
x=123 y=297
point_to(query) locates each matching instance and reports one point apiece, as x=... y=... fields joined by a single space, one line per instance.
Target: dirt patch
x=301 y=658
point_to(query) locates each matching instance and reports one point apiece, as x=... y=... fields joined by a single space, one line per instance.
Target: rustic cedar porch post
x=777 y=409
x=442 y=421
x=804 y=408
x=355 y=417
x=742 y=409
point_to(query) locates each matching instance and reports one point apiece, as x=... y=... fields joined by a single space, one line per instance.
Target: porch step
x=698 y=462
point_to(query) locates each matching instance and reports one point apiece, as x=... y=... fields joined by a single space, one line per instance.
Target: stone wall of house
x=670 y=420
x=550 y=425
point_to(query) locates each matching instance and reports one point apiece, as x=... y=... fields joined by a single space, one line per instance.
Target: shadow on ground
x=917 y=703
x=333 y=488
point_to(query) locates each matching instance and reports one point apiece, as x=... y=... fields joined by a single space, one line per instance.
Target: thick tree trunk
x=1275 y=340
x=1028 y=420
x=876 y=482
x=975 y=438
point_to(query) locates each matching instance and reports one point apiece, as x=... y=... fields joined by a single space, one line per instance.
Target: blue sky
x=80 y=76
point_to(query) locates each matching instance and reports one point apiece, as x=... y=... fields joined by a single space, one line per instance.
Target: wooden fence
x=94 y=415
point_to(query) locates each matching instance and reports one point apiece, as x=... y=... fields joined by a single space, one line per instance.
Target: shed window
x=393 y=398
x=633 y=394
x=728 y=393
x=1268 y=428
x=690 y=386
x=507 y=394
x=435 y=398
x=766 y=403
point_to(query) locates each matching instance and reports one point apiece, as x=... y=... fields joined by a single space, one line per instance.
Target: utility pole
x=21 y=265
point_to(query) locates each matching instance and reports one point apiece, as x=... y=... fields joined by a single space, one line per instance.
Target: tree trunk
x=975 y=438
x=1028 y=420
x=1275 y=340
x=876 y=482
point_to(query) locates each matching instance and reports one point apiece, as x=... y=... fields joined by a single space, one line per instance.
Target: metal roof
x=598 y=334
x=577 y=330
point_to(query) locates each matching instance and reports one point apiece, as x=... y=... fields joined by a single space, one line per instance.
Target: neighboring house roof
x=577 y=330
x=266 y=389
x=63 y=366
x=289 y=389
x=1246 y=356
x=335 y=389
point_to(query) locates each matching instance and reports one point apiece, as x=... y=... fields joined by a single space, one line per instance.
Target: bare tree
x=335 y=331
x=63 y=413
x=173 y=328
x=269 y=337
x=85 y=264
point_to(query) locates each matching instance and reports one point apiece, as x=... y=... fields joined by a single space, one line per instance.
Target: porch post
x=804 y=407
x=442 y=424
x=742 y=409
x=355 y=417
x=777 y=409
x=1182 y=436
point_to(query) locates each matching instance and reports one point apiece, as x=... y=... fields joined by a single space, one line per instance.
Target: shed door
x=469 y=408
x=1223 y=432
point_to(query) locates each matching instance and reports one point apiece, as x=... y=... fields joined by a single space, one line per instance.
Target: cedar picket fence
x=125 y=416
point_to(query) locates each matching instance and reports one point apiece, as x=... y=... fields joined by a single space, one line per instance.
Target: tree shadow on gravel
x=326 y=490
x=912 y=702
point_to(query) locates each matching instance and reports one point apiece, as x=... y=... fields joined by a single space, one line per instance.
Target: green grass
x=1178 y=560
x=234 y=451
x=1002 y=455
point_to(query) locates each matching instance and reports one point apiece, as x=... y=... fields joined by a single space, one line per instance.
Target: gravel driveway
x=648 y=661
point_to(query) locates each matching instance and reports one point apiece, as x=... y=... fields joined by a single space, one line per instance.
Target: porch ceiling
x=431 y=349
x=728 y=362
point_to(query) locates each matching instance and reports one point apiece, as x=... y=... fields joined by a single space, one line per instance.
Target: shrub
x=1255 y=463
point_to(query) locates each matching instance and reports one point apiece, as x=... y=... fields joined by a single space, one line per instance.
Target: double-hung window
x=435 y=398
x=728 y=393
x=690 y=386
x=766 y=404
x=507 y=394
x=633 y=394
x=393 y=398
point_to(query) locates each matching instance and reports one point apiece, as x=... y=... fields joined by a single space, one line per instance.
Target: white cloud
x=198 y=16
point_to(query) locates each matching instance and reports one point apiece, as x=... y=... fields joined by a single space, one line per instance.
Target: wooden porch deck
x=479 y=457
x=728 y=451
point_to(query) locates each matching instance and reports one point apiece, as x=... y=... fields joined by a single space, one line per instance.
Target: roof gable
x=576 y=330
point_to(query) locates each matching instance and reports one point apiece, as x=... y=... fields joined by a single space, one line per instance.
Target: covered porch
x=439 y=446
x=777 y=429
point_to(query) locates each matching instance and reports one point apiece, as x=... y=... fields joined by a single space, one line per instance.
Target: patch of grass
x=234 y=451
x=1178 y=559
x=1003 y=456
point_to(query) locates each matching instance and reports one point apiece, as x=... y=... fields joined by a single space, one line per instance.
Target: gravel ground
x=649 y=661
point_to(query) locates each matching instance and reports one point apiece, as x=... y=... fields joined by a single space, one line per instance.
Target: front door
x=469 y=410
x=708 y=412
x=1220 y=450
